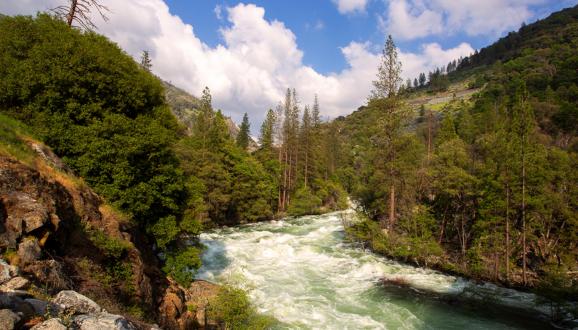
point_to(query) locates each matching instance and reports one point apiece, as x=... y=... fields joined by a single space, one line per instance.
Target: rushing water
x=303 y=272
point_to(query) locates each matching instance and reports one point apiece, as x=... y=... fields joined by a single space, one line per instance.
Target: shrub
x=232 y=308
x=181 y=265
x=304 y=202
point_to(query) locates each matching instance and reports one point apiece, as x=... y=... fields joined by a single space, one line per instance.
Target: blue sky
x=249 y=53
x=321 y=29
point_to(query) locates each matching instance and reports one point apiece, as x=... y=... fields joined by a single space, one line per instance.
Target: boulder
x=8 y=319
x=25 y=215
x=29 y=250
x=15 y=283
x=173 y=310
x=4 y=271
x=15 y=302
x=50 y=324
x=198 y=295
x=74 y=302
x=102 y=321
x=42 y=307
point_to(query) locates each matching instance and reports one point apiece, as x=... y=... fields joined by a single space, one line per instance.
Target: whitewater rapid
x=304 y=273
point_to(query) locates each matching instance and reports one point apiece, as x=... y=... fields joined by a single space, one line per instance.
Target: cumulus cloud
x=410 y=19
x=256 y=62
x=350 y=6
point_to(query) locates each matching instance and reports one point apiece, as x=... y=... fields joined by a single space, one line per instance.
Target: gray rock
x=4 y=271
x=15 y=283
x=73 y=301
x=25 y=213
x=9 y=300
x=50 y=324
x=42 y=307
x=29 y=250
x=8 y=319
x=102 y=321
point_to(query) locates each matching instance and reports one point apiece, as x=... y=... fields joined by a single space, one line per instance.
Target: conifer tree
x=315 y=115
x=243 y=135
x=204 y=119
x=145 y=61
x=266 y=139
x=422 y=79
x=388 y=73
x=305 y=143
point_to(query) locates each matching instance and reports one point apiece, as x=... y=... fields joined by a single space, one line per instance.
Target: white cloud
x=410 y=19
x=408 y=22
x=218 y=12
x=258 y=60
x=350 y=6
x=432 y=56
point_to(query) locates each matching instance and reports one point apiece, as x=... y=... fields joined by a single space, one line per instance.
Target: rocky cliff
x=184 y=107
x=63 y=245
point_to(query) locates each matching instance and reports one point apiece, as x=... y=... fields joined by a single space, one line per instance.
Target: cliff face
x=58 y=234
x=184 y=107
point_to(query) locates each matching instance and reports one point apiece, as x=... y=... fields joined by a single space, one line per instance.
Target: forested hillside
x=109 y=120
x=482 y=186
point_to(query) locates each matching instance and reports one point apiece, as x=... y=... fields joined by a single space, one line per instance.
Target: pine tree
x=422 y=79
x=203 y=119
x=305 y=143
x=266 y=138
x=316 y=120
x=388 y=73
x=243 y=135
x=145 y=61
x=522 y=120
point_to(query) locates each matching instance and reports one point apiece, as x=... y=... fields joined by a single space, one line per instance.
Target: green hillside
x=481 y=176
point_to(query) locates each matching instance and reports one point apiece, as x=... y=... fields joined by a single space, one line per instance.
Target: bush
x=304 y=202
x=232 y=308
x=181 y=265
x=98 y=110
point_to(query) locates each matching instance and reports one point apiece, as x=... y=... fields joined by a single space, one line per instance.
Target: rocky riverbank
x=72 y=261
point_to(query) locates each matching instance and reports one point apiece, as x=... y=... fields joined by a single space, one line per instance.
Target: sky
x=249 y=53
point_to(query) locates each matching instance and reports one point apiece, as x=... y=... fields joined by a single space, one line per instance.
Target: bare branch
x=78 y=13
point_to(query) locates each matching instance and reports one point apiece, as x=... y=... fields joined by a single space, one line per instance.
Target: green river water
x=303 y=272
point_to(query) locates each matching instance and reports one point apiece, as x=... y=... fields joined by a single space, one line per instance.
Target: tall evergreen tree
x=243 y=135
x=422 y=79
x=305 y=143
x=315 y=115
x=388 y=73
x=266 y=139
x=145 y=61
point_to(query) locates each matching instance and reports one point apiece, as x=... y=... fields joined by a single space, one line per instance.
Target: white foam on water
x=302 y=272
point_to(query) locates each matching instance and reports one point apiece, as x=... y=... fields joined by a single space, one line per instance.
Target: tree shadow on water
x=214 y=258
x=445 y=311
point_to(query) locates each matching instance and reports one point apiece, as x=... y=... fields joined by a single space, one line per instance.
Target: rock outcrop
x=50 y=222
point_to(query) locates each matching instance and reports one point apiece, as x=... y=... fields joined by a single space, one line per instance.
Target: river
x=303 y=272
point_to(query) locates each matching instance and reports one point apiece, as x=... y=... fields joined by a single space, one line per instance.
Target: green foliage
x=244 y=131
x=111 y=247
x=227 y=185
x=232 y=308
x=491 y=188
x=165 y=230
x=182 y=264
x=304 y=202
x=97 y=109
x=12 y=134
